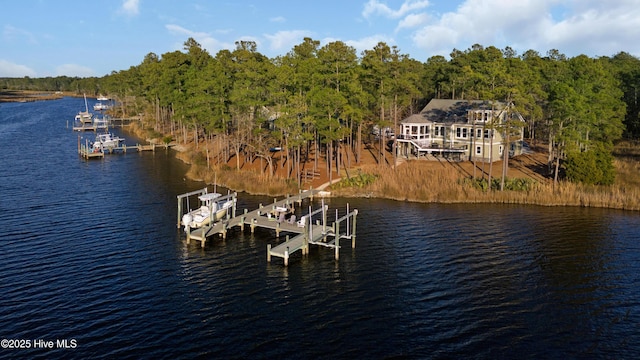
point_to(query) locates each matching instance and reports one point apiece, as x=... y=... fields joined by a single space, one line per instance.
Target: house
x=460 y=130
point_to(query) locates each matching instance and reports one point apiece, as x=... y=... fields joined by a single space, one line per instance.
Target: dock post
x=269 y=253
x=353 y=229
x=337 y=247
x=253 y=225
x=277 y=229
x=324 y=218
x=305 y=244
x=188 y=230
x=235 y=203
x=286 y=257
x=179 y=212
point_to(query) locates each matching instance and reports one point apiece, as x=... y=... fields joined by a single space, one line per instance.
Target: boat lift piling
x=304 y=231
x=317 y=234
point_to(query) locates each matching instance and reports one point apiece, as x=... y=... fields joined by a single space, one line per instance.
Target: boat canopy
x=209 y=196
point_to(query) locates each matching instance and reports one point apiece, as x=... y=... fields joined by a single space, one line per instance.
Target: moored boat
x=210 y=208
x=101 y=106
x=107 y=141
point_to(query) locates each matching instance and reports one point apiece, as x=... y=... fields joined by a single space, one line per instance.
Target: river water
x=92 y=264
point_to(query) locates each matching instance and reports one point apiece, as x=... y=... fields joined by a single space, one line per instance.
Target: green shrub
x=361 y=180
x=594 y=166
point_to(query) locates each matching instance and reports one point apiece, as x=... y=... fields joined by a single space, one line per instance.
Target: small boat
x=84 y=118
x=100 y=106
x=102 y=98
x=209 y=208
x=106 y=141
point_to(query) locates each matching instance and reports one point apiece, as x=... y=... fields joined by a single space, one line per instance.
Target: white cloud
x=286 y=40
x=130 y=7
x=602 y=29
x=11 y=33
x=573 y=27
x=208 y=42
x=375 y=7
x=412 y=20
x=9 y=69
x=74 y=70
x=278 y=19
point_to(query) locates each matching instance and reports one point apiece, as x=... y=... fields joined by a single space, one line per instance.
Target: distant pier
x=86 y=151
x=305 y=231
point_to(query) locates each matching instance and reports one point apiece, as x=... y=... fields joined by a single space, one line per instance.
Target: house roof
x=450 y=111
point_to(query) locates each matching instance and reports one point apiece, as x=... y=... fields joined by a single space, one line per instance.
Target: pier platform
x=304 y=230
x=88 y=152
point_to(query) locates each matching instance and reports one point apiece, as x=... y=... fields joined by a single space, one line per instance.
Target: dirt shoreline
x=410 y=175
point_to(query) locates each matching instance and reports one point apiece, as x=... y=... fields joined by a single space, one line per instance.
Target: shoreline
x=566 y=194
x=20 y=96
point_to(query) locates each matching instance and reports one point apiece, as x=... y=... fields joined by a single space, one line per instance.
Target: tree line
x=325 y=99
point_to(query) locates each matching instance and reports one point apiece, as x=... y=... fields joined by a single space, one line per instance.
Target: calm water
x=91 y=255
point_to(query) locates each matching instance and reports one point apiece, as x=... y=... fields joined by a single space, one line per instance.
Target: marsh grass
x=415 y=181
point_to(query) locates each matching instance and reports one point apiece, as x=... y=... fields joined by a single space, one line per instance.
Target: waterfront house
x=461 y=130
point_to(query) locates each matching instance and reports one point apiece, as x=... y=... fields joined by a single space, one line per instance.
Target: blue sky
x=41 y=38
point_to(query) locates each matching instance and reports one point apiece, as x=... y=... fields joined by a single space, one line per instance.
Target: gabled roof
x=450 y=111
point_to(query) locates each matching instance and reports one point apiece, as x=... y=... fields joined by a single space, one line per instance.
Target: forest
x=326 y=99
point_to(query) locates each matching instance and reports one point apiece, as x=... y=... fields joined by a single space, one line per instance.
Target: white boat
x=102 y=98
x=84 y=118
x=107 y=141
x=209 y=208
x=100 y=106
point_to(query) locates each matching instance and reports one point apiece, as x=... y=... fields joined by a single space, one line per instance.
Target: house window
x=439 y=130
x=479 y=133
x=462 y=133
x=478 y=150
x=500 y=149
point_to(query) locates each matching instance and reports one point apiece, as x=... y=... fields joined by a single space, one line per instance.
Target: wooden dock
x=305 y=231
x=86 y=151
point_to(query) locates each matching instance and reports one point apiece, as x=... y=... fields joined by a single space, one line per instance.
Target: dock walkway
x=305 y=231
x=88 y=152
x=255 y=218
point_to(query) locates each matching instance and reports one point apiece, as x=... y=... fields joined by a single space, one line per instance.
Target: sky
x=41 y=38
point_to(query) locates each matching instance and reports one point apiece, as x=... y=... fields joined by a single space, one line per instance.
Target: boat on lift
x=107 y=142
x=211 y=210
